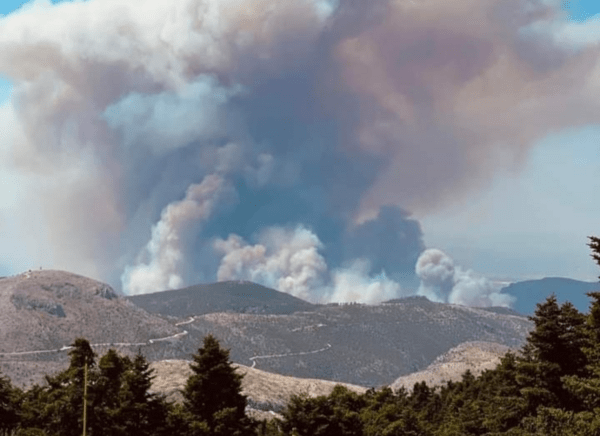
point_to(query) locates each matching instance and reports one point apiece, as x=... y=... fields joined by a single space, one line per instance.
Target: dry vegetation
x=265 y=391
x=473 y=356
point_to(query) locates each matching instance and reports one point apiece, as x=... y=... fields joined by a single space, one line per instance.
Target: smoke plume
x=168 y=249
x=289 y=260
x=338 y=116
x=442 y=281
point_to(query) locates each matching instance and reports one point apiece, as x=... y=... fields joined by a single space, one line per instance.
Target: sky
x=337 y=150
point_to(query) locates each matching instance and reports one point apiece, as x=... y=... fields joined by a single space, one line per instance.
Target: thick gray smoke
x=391 y=241
x=442 y=281
x=333 y=115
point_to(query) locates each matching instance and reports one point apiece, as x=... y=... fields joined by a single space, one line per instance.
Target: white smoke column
x=436 y=271
x=289 y=261
x=472 y=289
x=354 y=285
x=167 y=249
x=442 y=282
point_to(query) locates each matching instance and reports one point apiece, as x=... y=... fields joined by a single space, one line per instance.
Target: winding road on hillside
x=166 y=338
x=105 y=344
x=301 y=353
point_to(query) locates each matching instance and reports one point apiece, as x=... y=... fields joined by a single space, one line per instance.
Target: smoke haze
x=151 y=140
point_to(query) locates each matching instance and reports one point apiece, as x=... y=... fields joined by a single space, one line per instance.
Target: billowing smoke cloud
x=289 y=260
x=442 y=281
x=354 y=284
x=336 y=115
x=168 y=249
x=436 y=271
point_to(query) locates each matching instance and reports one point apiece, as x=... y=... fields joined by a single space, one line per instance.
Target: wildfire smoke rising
x=332 y=117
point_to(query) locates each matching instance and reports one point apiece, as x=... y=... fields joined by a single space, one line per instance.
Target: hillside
x=43 y=311
x=232 y=296
x=265 y=391
x=358 y=344
x=450 y=366
x=530 y=292
x=48 y=309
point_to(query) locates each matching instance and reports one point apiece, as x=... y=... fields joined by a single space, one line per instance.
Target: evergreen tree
x=212 y=394
x=141 y=412
x=9 y=407
x=595 y=246
x=388 y=413
x=554 y=349
x=106 y=403
x=336 y=414
x=61 y=401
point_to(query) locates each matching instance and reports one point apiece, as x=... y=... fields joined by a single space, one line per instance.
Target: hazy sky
x=317 y=146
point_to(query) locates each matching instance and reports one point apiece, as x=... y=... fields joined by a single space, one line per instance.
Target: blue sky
x=287 y=147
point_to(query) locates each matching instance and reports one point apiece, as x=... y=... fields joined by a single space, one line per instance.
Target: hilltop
x=47 y=309
x=229 y=296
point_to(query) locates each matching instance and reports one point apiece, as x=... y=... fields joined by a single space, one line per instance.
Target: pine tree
x=586 y=388
x=141 y=412
x=9 y=416
x=554 y=350
x=106 y=404
x=595 y=246
x=213 y=393
x=61 y=401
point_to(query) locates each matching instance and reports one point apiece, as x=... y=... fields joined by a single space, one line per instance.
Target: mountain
x=231 y=296
x=41 y=312
x=46 y=309
x=530 y=292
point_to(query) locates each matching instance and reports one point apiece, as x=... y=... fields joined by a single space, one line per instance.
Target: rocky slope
x=359 y=344
x=450 y=366
x=48 y=309
x=43 y=311
x=265 y=391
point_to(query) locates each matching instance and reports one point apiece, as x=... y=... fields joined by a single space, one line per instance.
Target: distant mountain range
x=530 y=292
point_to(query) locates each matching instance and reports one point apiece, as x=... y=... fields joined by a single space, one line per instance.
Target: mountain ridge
x=237 y=296
x=530 y=292
x=350 y=343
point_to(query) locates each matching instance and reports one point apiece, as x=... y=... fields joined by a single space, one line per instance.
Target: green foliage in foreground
x=551 y=388
x=120 y=402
